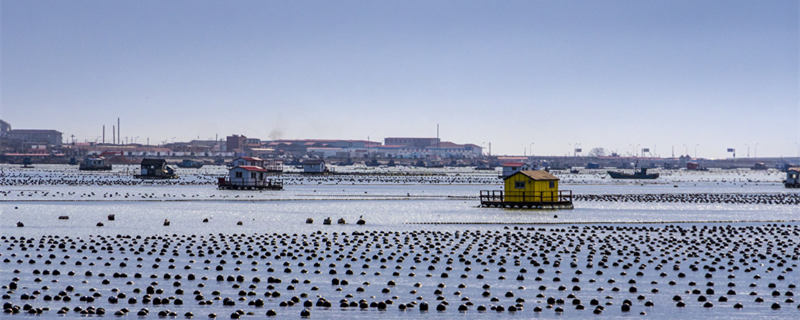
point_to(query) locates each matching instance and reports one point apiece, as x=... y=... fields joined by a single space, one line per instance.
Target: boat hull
x=622 y=175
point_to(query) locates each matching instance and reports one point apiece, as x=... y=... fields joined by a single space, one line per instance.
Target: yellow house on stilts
x=528 y=189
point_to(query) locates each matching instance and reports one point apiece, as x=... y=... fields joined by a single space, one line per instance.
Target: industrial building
x=4 y=128
x=34 y=136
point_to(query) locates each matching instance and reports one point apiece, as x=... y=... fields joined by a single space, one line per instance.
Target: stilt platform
x=538 y=201
x=266 y=185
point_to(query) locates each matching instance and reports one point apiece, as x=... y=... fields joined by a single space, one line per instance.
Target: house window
x=238 y=174
x=519 y=185
x=252 y=175
x=552 y=184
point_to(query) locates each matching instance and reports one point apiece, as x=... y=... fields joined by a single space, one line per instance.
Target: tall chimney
x=113 y=134
x=104 y=134
x=119 y=133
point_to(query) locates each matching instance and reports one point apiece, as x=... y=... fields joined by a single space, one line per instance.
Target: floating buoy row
x=329 y=221
x=580 y=270
x=731 y=198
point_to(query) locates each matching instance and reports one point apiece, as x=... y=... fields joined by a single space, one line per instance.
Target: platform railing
x=266 y=183
x=522 y=196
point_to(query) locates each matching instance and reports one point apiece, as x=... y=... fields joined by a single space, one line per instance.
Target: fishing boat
x=188 y=163
x=641 y=174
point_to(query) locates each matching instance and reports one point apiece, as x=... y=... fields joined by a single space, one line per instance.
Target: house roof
x=148 y=161
x=536 y=175
x=513 y=164
x=252 y=168
x=250 y=159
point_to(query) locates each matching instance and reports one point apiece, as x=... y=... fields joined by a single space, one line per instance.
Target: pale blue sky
x=614 y=74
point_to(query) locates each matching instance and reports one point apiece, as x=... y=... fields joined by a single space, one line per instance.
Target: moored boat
x=188 y=163
x=641 y=174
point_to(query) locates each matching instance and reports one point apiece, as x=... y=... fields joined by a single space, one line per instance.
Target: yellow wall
x=532 y=191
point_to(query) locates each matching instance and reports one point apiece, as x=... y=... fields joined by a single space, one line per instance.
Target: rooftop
x=252 y=168
x=536 y=175
x=34 y=131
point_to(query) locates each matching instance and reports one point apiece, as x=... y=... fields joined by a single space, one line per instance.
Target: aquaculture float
x=528 y=189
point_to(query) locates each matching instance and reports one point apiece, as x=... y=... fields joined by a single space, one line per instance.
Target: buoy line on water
x=599 y=222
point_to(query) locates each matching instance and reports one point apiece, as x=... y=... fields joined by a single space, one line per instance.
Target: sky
x=521 y=75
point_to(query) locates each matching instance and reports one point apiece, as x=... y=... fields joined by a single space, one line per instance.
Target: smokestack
x=119 y=133
x=104 y=134
x=437 y=135
x=113 y=135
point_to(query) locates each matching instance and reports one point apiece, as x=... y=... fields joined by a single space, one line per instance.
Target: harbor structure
x=530 y=189
x=156 y=169
x=792 y=177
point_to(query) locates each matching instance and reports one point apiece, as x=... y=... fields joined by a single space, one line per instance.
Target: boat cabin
x=535 y=189
x=531 y=186
x=157 y=169
x=247 y=175
x=792 y=177
x=314 y=166
x=249 y=178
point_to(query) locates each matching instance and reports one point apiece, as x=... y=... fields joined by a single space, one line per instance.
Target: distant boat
x=27 y=162
x=188 y=163
x=759 y=166
x=372 y=163
x=641 y=174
